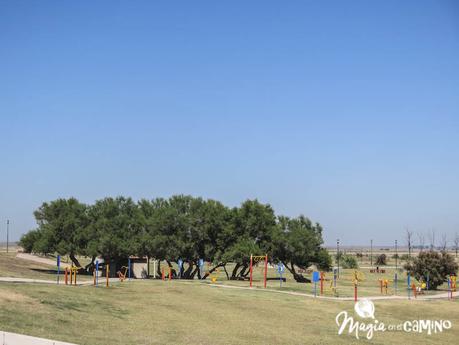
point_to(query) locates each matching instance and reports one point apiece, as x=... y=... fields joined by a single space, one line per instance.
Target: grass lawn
x=179 y=312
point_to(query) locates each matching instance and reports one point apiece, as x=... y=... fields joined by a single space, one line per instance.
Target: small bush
x=405 y=257
x=349 y=261
x=438 y=266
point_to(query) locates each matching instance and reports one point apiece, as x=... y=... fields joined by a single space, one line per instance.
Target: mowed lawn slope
x=156 y=312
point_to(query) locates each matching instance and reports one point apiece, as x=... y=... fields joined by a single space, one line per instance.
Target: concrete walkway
x=390 y=297
x=61 y=283
x=7 y=338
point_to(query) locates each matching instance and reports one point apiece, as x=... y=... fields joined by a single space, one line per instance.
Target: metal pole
x=337 y=254
x=371 y=253
x=396 y=267
x=7 y=234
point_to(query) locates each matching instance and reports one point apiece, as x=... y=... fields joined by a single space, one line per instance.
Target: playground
x=157 y=311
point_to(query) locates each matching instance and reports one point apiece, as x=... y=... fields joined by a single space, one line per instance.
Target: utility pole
x=7 y=233
x=337 y=254
x=371 y=252
x=396 y=268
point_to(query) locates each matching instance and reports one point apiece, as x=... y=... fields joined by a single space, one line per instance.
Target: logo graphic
x=365 y=309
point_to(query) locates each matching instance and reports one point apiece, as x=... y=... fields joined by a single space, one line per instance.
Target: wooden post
x=413 y=287
x=355 y=292
x=266 y=268
x=250 y=270
x=94 y=274
x=321 y=283
x=170 y=273
x=107 y=273
x=66 y=276
x=380 y=285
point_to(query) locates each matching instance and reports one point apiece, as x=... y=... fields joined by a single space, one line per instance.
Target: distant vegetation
x=349 y=261
x=179 y=228
x=432 y=266
x=381 y=260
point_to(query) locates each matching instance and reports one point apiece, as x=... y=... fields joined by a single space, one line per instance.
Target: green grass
x=192 y=312
x=10 y=266
x=179 y=312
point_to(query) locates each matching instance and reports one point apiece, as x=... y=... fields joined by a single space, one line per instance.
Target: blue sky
x=345 y=111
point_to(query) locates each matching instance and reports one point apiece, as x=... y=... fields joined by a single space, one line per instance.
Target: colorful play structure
x=254 y=260
x=413 y=289
x=383 y=286
x=357 y=277
x=72 y=273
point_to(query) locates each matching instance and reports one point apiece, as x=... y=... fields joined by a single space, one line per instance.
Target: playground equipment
x=357 y=277
x=58 y=259
x=384 y=285
x=451 y=286
x=253 y=261
x=163 y=274
x=315 y=279
x=72 y=272
x=122 y=273
x=214 y=275
x=280 y=271
x=96 y=273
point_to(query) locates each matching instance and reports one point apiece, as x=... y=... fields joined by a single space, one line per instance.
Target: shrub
x=405 y=257
x=28 y=240
x=381 y=260
x=437 y=265
x=349 y=261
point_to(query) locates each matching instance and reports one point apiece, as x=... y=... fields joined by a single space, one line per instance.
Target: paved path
x=391 y=297
x=8 y=338
x=41 y=281
x=46 y=261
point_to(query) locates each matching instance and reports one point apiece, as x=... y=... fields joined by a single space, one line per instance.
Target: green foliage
x=405 y=257
x=436 y=265
x=381 y=260
x=28 y=240
x=348 y=261
x=179 y=228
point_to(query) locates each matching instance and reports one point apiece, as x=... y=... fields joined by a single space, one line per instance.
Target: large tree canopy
x=179 y=228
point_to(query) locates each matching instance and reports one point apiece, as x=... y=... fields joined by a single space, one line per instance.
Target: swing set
x=254 y=260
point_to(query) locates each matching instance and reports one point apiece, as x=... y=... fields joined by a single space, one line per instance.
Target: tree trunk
x=74 y=260
x=172 y=271
x=233 y=274
x=158 y=270
x=195 y=271
x=212 y=270
x=186 y=274
x=226 y=272
x=91 y=266
x=299 y=278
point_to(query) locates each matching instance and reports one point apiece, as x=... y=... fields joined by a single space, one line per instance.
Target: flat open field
x=193 y=312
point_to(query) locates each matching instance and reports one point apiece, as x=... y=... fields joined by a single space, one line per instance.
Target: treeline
x=181 y=227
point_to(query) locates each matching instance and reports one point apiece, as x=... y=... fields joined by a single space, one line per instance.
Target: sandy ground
x=31 y=257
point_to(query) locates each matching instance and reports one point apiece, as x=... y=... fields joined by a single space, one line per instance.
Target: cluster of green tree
x=433 y=266
x=179 y=228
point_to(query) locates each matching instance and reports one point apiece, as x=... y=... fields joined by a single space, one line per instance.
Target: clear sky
x=345 y=111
